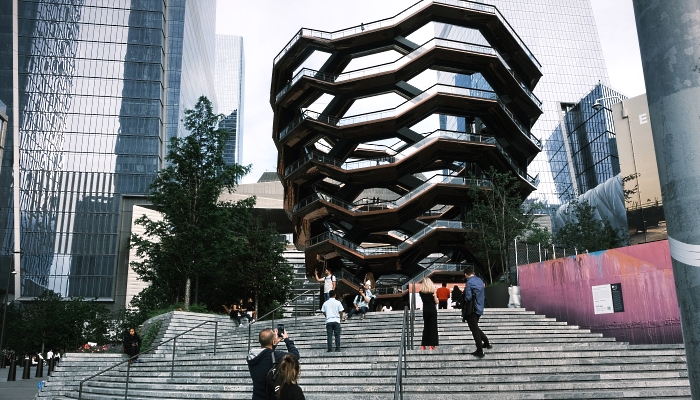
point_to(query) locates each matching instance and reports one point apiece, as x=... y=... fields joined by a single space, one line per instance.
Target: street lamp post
x=597 y=106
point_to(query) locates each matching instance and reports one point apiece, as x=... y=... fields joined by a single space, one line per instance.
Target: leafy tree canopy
x=584 y=231
x=498 y=216
x=204 y=245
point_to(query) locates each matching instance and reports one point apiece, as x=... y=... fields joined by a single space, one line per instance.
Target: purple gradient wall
x=562 y=289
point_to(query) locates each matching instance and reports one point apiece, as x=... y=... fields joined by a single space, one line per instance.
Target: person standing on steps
x=289 y=371
x=430 y=323
x=328 y=281
x=333 y=310
x=474 y=309
x=457 y=297
x=443 y=295
x=260 y=360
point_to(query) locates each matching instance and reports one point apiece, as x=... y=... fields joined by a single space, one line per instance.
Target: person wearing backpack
x=260 y=360
x=329 y=283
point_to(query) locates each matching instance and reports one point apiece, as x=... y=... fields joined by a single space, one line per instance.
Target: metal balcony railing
x=470 y=5
x=389 y=113
x=401 y=62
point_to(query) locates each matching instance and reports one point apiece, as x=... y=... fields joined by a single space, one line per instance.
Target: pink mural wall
x=561 y=289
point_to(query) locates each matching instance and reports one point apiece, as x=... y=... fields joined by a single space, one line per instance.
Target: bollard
x=3 y=361
x=52 y=365
x=27 y=372
x=39 y=369
x=12 y=374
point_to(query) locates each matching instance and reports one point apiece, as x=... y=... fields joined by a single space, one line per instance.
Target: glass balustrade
x=470 y=5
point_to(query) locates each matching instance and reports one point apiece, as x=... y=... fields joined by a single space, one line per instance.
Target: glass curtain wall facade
x=92 y=119
x=589 y=156
x=230 y=76
x=563 y=36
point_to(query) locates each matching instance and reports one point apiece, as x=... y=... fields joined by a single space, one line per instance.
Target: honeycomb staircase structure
x=330 y=163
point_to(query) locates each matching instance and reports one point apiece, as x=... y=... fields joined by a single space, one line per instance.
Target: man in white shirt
x=329 y=283
x=333 y=310
x=49 y=355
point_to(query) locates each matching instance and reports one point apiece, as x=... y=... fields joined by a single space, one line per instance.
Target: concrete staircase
x=533 y=358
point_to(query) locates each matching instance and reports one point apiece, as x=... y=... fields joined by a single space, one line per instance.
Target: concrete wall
x=561 y=289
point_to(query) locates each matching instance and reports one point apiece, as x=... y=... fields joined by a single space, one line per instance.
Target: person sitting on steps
x=360 y=305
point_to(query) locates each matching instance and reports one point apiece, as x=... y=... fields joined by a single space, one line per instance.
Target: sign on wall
x=607 y=299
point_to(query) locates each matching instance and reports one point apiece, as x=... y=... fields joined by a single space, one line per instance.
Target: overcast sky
x=267 y=25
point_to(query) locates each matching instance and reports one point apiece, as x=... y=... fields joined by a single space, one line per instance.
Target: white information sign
x=602 y=299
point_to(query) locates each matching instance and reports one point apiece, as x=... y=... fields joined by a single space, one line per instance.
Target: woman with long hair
x=289 y=371
x=430 y=324
x=370 y=282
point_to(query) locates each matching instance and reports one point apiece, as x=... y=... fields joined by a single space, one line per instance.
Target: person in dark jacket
x=132 y=345
x=260 y=360
x=474 y=309
x=457 y=297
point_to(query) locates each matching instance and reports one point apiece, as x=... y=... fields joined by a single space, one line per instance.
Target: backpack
x=272 y=381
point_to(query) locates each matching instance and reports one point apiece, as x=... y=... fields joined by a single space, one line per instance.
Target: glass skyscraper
x=230 y=74
x=96 y=88
x=563 y=37
x=582 y=150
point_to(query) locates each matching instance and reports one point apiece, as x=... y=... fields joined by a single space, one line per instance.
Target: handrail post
x=80 y=391
x=216 y=335
x=248 y=337
x=126 y=386
x=295 y=311
x=172 y=360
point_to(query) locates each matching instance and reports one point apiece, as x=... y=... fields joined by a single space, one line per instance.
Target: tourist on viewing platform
x=443 y=295
x=289 y=370
x=360 y=304
x=457 y=298
x=328 y=281
x=430 y=323
x=333 y=310
x=132 y=345
x=474 y=309
x=260 y=360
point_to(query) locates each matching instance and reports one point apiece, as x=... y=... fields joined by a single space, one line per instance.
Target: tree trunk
x=188 y=285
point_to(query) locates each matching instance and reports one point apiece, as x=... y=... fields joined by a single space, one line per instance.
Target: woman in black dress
x=430 y=324
x=289 y=371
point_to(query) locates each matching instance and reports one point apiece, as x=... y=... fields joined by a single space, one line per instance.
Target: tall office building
x=582 y=150
x=563 y=37
x=230 y=73
x=93 y=91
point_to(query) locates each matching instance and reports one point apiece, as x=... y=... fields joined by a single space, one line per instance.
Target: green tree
x=498 y=216
x=261 y=269
x=195 y=234
x=51 y=321
x=584 y=231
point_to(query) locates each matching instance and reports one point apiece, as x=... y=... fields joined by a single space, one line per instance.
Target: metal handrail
x=401 y=368
x=280 y=306
x=174 y=338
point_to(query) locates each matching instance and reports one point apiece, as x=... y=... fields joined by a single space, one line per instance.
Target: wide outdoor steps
x=533 y=357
